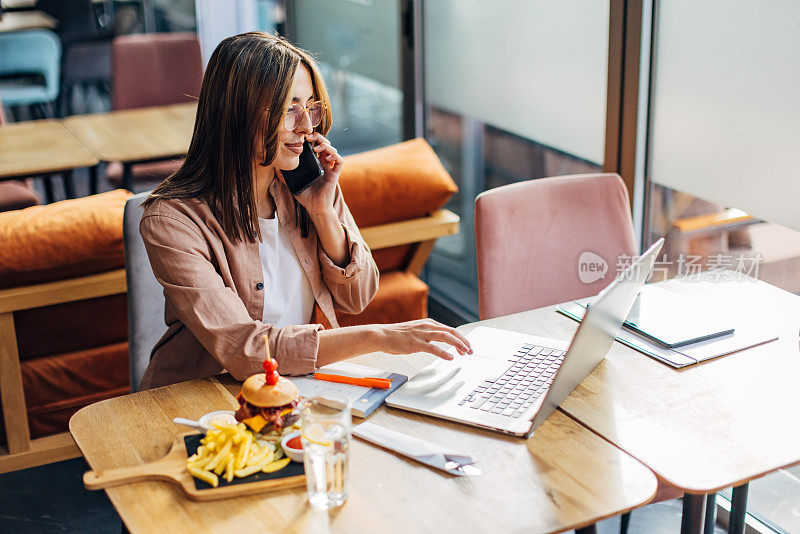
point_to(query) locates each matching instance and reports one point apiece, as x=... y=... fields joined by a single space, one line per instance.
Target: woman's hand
x=417 y=336
x=399 y=338
x=318 y=197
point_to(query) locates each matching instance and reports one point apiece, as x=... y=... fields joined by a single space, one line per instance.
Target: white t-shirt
x=288 y=297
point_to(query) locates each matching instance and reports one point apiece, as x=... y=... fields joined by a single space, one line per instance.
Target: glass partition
x=725 y=112
x=358 y=47
x=722 y=161
x=514 y=91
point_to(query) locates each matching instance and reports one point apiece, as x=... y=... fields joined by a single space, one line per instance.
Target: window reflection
x=480 y=157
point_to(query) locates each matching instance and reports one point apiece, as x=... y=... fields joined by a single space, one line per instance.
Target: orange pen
x=383 y=383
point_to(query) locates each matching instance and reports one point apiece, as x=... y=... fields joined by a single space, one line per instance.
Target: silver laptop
x=513 y=381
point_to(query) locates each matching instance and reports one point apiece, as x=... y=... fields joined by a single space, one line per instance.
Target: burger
x=266 y=406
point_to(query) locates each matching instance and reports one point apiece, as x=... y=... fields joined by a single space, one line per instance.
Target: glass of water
x=325 y=434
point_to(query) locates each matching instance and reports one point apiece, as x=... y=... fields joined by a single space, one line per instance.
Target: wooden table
x=136 y=135
x=42 y=147
x=13 y=21
x=717 y=424
x=563 y=477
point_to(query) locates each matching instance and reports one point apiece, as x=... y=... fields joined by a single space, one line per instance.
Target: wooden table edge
x=82 y=412
x=68 y=123
x=48 y=171
x=686 y=488
x=720 y=486
x=227 y=384
x=89 y=161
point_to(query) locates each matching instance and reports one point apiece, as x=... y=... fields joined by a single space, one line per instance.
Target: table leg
x=693 y=513
x=738 y=509
x=48 y=188
x=127 y=177
x=591 y=529
x=69 y=190
x=711 y=513
x=624 y=523
x=93 y=180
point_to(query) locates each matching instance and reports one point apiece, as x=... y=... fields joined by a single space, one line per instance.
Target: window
x=515 y=91
x=722 y=160
x=357 y=46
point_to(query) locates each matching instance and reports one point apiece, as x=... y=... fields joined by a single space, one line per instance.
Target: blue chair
x=26 y=56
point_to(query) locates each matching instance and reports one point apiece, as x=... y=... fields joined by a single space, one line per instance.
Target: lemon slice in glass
x=316 y=434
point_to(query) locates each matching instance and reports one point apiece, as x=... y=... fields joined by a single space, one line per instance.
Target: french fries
x=230 y=451
x=276 y=465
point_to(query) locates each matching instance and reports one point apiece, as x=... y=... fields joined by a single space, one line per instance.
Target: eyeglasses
x=296 y=112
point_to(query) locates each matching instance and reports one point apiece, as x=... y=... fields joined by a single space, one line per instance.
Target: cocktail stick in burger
x=267 y=399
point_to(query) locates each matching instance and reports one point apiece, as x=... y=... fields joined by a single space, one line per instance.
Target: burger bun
x=256 y=391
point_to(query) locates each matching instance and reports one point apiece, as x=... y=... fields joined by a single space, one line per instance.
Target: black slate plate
x=292 y=470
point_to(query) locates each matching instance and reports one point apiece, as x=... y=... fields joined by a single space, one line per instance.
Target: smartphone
x=306 y=173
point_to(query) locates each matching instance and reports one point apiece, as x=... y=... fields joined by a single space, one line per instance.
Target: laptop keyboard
x=531 y=371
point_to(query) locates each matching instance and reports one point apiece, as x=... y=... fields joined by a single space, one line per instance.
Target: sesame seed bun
x=256 y=391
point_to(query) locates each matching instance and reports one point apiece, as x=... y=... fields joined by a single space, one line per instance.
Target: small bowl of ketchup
x=292 y=446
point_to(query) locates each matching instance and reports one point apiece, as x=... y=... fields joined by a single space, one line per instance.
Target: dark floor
x=52 y=498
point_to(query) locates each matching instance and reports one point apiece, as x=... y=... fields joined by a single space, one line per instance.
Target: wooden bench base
x=48 y=449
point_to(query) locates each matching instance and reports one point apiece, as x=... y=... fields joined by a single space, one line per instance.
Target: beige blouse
x=215 y=297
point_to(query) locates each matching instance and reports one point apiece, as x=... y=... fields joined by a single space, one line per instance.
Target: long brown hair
x=246 y=75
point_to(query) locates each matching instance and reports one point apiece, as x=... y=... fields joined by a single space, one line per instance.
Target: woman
x=238 y=256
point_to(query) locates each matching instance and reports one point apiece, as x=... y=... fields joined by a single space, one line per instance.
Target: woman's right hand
x=417 y=336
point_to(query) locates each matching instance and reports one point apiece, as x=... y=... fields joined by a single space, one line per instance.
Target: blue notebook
x=364 y=400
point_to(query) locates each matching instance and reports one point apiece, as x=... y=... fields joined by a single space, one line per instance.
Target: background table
x=563 y=477
x=716 y=424
x=26 y=20
x=42 y=147
x=136 y=135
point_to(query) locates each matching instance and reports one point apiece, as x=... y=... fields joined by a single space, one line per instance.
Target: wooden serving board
x=172 y=468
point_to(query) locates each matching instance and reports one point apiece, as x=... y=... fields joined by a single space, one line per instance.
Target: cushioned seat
x=61 y=240
x=16 y=195
x=73 y=352
x=57 y=386
x=387 y=185
x=401 y=297
x=395 y=183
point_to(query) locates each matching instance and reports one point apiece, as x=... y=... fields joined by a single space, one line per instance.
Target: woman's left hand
x=318 y=197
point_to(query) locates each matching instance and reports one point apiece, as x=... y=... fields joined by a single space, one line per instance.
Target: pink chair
x=154 y=70
x=15 y=194
x=532 y=237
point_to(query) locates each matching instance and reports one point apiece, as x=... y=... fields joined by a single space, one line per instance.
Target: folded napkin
x=417 y=449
